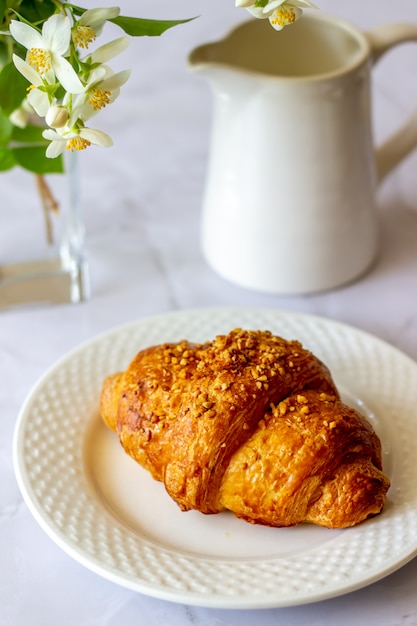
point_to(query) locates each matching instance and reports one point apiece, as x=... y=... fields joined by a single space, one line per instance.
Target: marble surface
x=142 y=204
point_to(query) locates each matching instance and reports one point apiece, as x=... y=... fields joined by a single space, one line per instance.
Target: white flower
x=21 y=116
x=39 y=100
x=103 y=87
x=37 y=96
x=91 y=24
x=107 y=51
x=71 y=139
x=46 y=50
x=280 y=13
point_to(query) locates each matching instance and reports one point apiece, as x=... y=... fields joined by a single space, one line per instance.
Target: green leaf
x=139 y=27
x=4 y=51
x=77 y=10
x=35 y=11
x=33 y=158
x=13 y=87
x=7 y=8
x=29 y=134
x=6 y=129
x=3 y=9
x=7 y=160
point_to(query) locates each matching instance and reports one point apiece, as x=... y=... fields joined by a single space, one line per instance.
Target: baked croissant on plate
x=248 y=422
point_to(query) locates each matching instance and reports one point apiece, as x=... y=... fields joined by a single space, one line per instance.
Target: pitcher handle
x=404 y=140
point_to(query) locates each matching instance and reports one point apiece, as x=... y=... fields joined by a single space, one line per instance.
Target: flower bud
x=56 y=116
x=19 y=117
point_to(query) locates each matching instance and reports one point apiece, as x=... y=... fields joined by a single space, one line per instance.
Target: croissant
x=250 y=423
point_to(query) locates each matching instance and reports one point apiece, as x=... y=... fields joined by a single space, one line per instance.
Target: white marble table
x=142 y=209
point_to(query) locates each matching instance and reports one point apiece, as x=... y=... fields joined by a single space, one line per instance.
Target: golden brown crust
x=206 y=420
x=311 y=458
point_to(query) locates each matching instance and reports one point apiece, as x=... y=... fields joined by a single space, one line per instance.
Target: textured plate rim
x=160 y=591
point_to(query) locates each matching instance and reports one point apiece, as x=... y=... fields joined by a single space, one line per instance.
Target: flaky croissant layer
x=248 y=422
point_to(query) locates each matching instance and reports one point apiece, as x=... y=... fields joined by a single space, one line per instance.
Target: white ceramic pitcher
x=289 y=204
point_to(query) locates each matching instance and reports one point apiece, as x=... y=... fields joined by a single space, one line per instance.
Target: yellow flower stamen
x=82 y=36
x=283 y=17
x=39 y=59
x=77 y=143
x=99 y=98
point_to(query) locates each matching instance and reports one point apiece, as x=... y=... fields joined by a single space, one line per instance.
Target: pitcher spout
x=243 y=49
x=202 y=57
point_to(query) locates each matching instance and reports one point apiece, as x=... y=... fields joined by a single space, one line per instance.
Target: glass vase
x=42 y=255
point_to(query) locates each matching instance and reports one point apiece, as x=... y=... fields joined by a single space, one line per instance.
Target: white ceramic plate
x=106 y=512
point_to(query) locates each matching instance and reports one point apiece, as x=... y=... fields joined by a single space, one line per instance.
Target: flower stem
x=49 y=206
